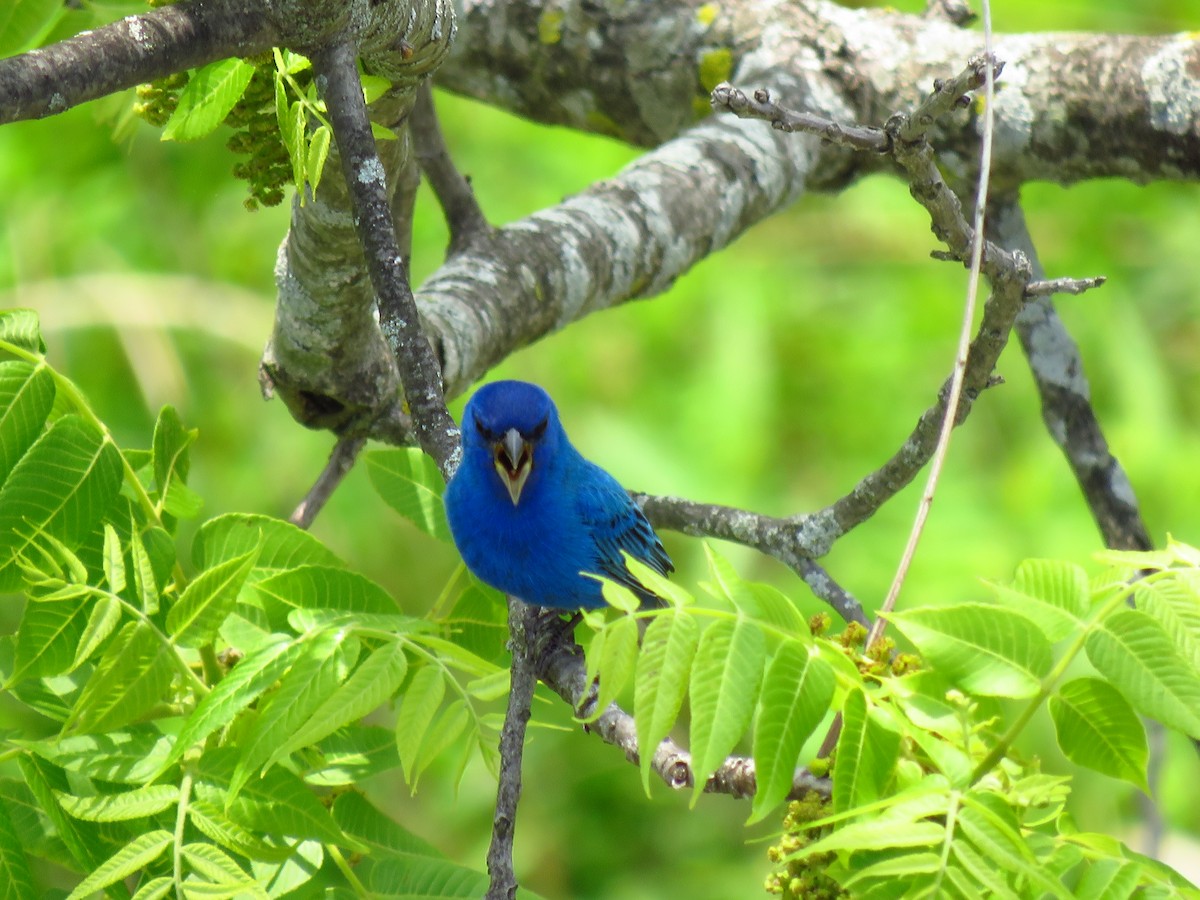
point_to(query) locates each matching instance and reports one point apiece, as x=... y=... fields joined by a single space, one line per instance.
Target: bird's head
x=510 y=421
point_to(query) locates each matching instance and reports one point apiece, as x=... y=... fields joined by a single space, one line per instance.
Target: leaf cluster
x=929 y=798
x=199 y=727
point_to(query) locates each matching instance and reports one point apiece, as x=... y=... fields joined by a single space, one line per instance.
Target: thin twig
x=964 y=339
x=726 y=98
x=341 y=461
x=522 y=619
x=464 y=217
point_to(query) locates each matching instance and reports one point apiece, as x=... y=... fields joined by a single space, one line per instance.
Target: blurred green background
x=771 y=377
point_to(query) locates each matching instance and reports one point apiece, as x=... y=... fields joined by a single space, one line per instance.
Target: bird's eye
x=539 y=430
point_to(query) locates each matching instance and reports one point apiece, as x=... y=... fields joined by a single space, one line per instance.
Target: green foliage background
x=771 y=377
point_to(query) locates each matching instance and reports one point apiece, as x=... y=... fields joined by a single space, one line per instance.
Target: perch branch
x=561 y=666
x=522 y=622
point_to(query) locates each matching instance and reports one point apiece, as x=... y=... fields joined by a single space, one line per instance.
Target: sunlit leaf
x=664 y=665
x=796 y=693
x=1098 y=729
x=134 y=856
x=409 y=482
x=866 y=756
x=1135 y=654
x=372 y=684
x=211 y=92
x=615 y=661
x=283 y=545
x=131 y=677
x=726 y=674
x=421 y=701
x=135 y=804
x=62 y=486
x=197 y=615
x=986 y=650
x=26 y=395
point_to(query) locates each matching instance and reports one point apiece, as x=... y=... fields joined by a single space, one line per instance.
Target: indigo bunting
x=529 y=514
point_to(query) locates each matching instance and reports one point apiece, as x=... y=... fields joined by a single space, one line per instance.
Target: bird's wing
x=617 y=523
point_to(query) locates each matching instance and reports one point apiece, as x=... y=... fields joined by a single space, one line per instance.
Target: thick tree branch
x=124 y=54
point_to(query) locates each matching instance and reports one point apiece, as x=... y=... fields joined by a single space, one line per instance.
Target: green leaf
x=132 y=676
x=283 y=545
x=238 y=689
x=24 y=25
x=797 y=690
x=318 y=153
x=660 y=683
x=135 y=804
x=990 y=825
x=20 y=328
x=352 y=754
x=985 y=650
x=144 y=580
x=615 y=661
x=726 y=674
x=26 y=396
x=48 y=635
x=372 y=684
x=205 y=603
x=132 y=756
x=1175 y=605
x=1135 y=654
x=218 y=868
x=323 y=588
x=277 y=804
x=1098 y=729
x=156 y=888
x=866 y=756
x=211 y=92
x=1053 y=593
x=211 y=821
x=280 y=877
x=370 y=827
x=1108 y=879
x=102 y=620
x=441 y=735
x=757 y=601
x=114 y=560
x=422 y=878
x=306 y=685
x=16 y=879
x=134 y=856
x=171 y=464
x=80 y=838
x=409 y=482
x=62 y=486
x=421 y=701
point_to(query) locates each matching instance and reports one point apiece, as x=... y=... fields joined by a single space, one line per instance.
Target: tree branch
x=1067 y=410
x=366 y=179
x=453 y=191
x=561 y=666
x=136 y=49
x=522 y=626
x=341 y=461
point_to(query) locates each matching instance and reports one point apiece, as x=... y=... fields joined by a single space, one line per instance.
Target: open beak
x=513 y=461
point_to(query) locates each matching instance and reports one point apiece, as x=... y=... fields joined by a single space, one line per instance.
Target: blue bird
x=529 y=514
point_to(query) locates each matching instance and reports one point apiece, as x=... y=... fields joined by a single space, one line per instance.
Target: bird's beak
x=513 y=460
